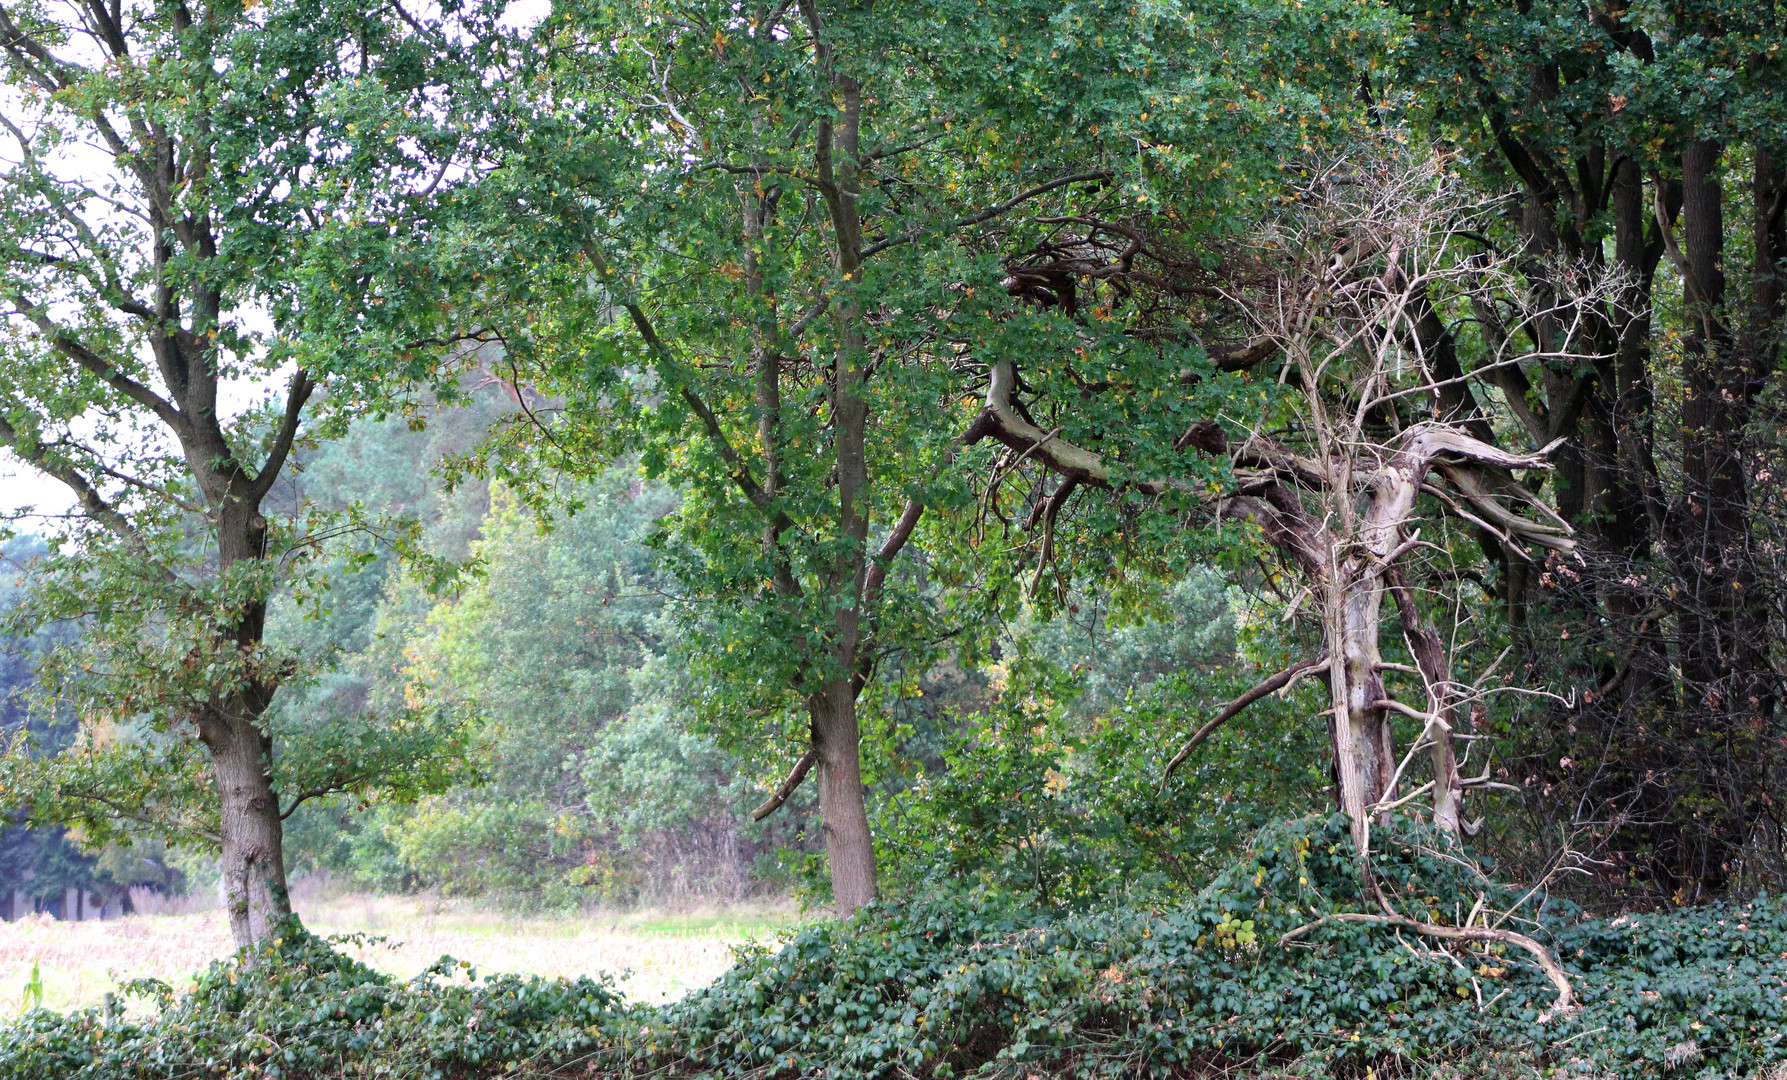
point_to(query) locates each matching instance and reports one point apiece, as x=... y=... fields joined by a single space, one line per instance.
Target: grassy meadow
x=654 y=956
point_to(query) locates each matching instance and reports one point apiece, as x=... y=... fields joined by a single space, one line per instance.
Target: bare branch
x=1566 y=997
x=1233 y=709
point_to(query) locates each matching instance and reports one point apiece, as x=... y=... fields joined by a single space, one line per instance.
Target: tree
x=1342 y=294
x=559 y=649
x=1630 y=133
x=1362 y=271
x=761 y=246
x=165 y=165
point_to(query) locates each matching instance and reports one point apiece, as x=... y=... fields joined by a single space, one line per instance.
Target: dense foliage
x=985 y=984
x=297 y=1008
x=983 y=981
x=1091 y=440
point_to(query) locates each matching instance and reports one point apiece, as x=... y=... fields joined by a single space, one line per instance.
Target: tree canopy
x=926 y=325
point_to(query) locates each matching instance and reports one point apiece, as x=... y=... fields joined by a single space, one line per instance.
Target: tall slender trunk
x=1722 y=617
x=849 y=848
x=1640 y=670
x=838 y=164
x=1711 y=513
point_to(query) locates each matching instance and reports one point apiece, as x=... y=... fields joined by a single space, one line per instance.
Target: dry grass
x=661 y=956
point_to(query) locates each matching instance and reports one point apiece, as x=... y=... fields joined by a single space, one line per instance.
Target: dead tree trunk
x=1349 y=308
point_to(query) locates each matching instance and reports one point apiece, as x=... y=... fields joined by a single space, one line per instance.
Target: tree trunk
x=1355 y=686
x=253 y=855
x=1444 y=715
x=1721 y=618
x=848 y=847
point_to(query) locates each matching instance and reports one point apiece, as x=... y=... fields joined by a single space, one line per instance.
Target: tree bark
x=1355 y=687
x=849 y=848
x=253 y=836
x=837 y=159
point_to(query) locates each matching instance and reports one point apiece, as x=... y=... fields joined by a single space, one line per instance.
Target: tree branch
x=876 y=576
x=303 y=797
x=1232 y=709
x=741 y=473
x=66 y=343
x=295 y=396
x=1006 y=425
x=989 y=213
x=93 y=505
x=775 y=801
x=1566 y=997
x=21 y=48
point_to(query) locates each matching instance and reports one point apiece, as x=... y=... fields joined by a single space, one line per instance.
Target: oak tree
x=164 y=165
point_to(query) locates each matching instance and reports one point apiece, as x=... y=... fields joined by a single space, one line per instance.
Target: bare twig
x=1232 y=709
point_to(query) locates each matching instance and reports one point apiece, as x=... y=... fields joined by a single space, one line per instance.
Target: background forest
x=587 y=779
x=1195 y=539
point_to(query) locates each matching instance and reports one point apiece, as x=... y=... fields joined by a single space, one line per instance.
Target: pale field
x=654 y=956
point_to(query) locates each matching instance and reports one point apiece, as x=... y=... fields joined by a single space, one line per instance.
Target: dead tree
x=1345 y=308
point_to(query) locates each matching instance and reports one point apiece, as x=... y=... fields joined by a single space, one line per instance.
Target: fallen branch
x=1566 y=997
x=775 y=801
x=1233 y=708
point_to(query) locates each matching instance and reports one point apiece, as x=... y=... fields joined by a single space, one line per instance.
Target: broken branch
x=1566 y=997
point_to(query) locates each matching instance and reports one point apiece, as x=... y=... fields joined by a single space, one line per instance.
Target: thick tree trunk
x=848 y=846
x=252 y=831
x=253 y=856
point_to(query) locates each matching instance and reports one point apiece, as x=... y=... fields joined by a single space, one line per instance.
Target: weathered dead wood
x=1566 y=996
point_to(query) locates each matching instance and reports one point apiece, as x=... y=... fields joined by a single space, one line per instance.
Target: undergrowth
x=298 y=1008
x=988 y=984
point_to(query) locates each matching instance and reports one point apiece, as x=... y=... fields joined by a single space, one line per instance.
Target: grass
x=655 y=956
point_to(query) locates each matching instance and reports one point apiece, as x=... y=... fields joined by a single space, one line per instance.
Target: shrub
x=986 y=983
x=303 y=1010
x=992 y=983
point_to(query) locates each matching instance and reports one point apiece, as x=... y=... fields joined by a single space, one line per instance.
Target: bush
x=302 y=1010
x=992 y=983
x=987 y=983
x=1030 y=798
